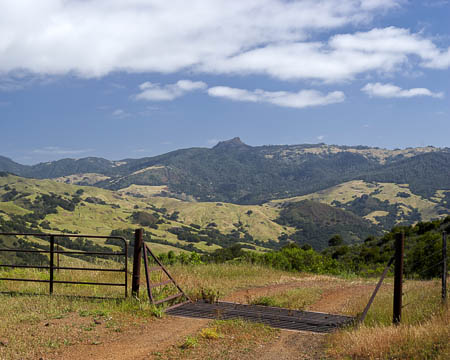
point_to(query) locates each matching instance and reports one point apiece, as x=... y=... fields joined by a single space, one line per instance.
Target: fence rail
x=52 y=267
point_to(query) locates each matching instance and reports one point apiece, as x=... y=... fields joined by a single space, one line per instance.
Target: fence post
x=138 y=240
x=398 y=277
x=444 y=267
x=52 y=261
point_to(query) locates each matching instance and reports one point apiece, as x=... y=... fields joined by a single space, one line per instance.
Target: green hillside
x=385 y=204
x=316 y=223
x=172 y=224
x=45 y=205
x=237 y=173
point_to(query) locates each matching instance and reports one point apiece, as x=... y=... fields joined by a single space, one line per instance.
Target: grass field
x=348 y=191
x=57 y=324
x=92 y=218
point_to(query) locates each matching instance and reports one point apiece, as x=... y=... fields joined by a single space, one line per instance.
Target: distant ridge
x=233 y=171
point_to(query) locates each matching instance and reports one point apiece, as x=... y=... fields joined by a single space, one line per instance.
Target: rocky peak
x=234 y=143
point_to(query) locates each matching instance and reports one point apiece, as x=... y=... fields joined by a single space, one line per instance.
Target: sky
x=128 y=79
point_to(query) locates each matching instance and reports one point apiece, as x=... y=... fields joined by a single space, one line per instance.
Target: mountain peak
x=234 y=143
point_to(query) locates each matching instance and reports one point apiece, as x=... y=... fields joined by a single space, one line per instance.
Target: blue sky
x=128 y=79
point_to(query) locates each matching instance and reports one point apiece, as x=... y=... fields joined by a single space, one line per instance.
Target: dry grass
x=423 y=334
x=426 y=340
x=51 y=323
x=226 y=278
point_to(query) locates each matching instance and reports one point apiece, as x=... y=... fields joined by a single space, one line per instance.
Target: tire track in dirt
x=139 y=343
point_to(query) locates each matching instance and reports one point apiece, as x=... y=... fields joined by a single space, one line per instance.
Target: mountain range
x=235 y=172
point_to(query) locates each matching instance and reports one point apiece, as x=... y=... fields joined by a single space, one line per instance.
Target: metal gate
x=52 y=267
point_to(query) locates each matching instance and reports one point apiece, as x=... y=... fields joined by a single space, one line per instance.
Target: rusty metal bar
x=160 y=266
x=138 y=240
x=169 y=298
x=177 y=305
x=86 y=283
x=89 y=269
x=64 y=235
x=25 y=250
x=147 y=275
x=62 y=252
x=126 y=267
x=57 y=257
x=372 y=298
x=161 y=283
x=398 y=277
x=52 y=259
x=166 y=272
x=86 y=253
x=64 y=282
x=26 y=266
x=444 y=267
x=31 y=280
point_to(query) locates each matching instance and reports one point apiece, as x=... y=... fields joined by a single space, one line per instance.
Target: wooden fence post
x=398 y=277
x=444 y=267
x=138 y=240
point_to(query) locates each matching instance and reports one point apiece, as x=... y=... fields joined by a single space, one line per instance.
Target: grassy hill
x=237 y=173
x=385 y=204
x=316 y=223
x=172 y=224
x=94 y=210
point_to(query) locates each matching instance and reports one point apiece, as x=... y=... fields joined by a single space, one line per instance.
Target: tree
x=336 y=240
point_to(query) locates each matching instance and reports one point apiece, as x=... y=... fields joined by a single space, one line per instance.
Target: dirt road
x=148 y=340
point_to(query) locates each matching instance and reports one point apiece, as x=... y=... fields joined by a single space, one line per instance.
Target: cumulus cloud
x=95 y=38
x=343 y=57
x=393 y=91
x=156 y=92
x=301 y=99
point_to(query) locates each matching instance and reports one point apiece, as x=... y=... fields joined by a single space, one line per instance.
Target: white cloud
x=120 y=113
x=393 y=91
x=342 y=58
x=156 y=92
x=301 y=99
x=321 y=137
x=55 y=150
x=95 y=38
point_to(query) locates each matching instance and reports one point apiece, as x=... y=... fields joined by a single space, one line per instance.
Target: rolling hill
x=238 y=173
x=172 y=224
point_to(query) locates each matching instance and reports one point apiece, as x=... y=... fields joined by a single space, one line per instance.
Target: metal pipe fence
x=52 y=267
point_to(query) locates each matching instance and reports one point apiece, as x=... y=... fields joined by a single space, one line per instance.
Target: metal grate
x=274 y=317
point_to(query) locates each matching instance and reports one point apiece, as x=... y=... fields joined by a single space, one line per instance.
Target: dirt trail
x=243 y=296
x=293 y=345
x=337 y=300
x=156 y=336
x=137 y=344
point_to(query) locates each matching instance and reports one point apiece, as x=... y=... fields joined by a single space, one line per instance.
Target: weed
x=157 y=311
x=210 y=333
x=189 y=342
x=211 y=296
x=265 y=301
